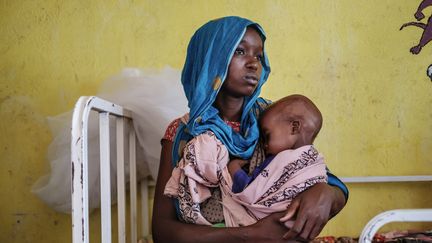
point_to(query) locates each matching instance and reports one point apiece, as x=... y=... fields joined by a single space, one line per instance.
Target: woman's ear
x=296 y=125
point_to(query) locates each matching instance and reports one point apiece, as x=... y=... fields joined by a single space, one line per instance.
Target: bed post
x=79 y=171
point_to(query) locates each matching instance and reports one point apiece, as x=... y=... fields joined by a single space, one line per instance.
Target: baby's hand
x=240 y=162
x=236 y=164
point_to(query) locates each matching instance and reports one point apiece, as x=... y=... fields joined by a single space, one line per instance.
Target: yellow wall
x=348 y=56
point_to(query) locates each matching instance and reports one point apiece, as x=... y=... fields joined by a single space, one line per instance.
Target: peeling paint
x=73 y=175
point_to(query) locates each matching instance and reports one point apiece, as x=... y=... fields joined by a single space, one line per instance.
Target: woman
x=224 y=70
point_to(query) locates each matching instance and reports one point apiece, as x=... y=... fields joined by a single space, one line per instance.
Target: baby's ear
x=296 y=125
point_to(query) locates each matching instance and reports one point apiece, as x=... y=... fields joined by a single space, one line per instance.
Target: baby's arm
x=239 y=177
x=235 y=165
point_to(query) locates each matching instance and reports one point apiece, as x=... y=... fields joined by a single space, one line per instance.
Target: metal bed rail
x=380 y=179
x=396 y=215
x=79 y=172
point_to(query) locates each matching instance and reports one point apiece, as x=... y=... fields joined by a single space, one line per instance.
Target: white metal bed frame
x=80 y=208
x=79 y=157
x=397 y=215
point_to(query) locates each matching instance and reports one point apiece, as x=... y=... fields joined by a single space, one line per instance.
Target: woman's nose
x=252 y=63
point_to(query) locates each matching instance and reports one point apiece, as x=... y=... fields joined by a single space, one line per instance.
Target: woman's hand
x=311 y=211
x=269 y=229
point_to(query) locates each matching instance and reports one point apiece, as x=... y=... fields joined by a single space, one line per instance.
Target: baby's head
x=290 y=123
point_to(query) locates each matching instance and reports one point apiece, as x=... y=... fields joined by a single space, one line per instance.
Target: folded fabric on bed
x=397 y=236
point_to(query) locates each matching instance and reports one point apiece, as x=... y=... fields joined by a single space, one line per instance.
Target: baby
x=289 y=127
x=288 y=124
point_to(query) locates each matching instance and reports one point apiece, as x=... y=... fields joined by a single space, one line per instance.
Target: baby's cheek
x=272 y=148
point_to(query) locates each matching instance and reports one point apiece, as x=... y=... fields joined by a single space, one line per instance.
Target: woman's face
x=245 y=68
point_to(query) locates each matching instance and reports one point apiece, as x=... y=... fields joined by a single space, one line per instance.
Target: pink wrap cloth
x=204 y=166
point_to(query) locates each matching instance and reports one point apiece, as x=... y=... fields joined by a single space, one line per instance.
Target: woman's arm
x=312 y=209
x=167 y=228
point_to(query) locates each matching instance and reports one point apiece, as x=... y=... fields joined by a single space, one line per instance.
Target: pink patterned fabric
x=288 y=174
x=204 y=166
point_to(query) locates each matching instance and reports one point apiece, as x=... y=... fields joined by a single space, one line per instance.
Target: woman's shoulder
x=171 y=130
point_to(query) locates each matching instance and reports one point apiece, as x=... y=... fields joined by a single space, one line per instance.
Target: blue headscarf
x=208 y=56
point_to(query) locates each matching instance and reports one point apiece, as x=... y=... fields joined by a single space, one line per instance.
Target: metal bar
x=375 y=179
x=79 y=168
x=80 y=232
x=105 y=177
x=144 y=207
x=398 y=215
x=101 y=105
x=121 y=201
x=133 y=184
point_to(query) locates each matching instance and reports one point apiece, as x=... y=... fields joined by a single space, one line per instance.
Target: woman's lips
x=251 y=79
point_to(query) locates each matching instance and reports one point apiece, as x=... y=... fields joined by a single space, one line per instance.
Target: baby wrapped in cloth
x=204 y=166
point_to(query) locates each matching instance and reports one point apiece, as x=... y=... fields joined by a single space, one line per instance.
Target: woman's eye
x=239 y=51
